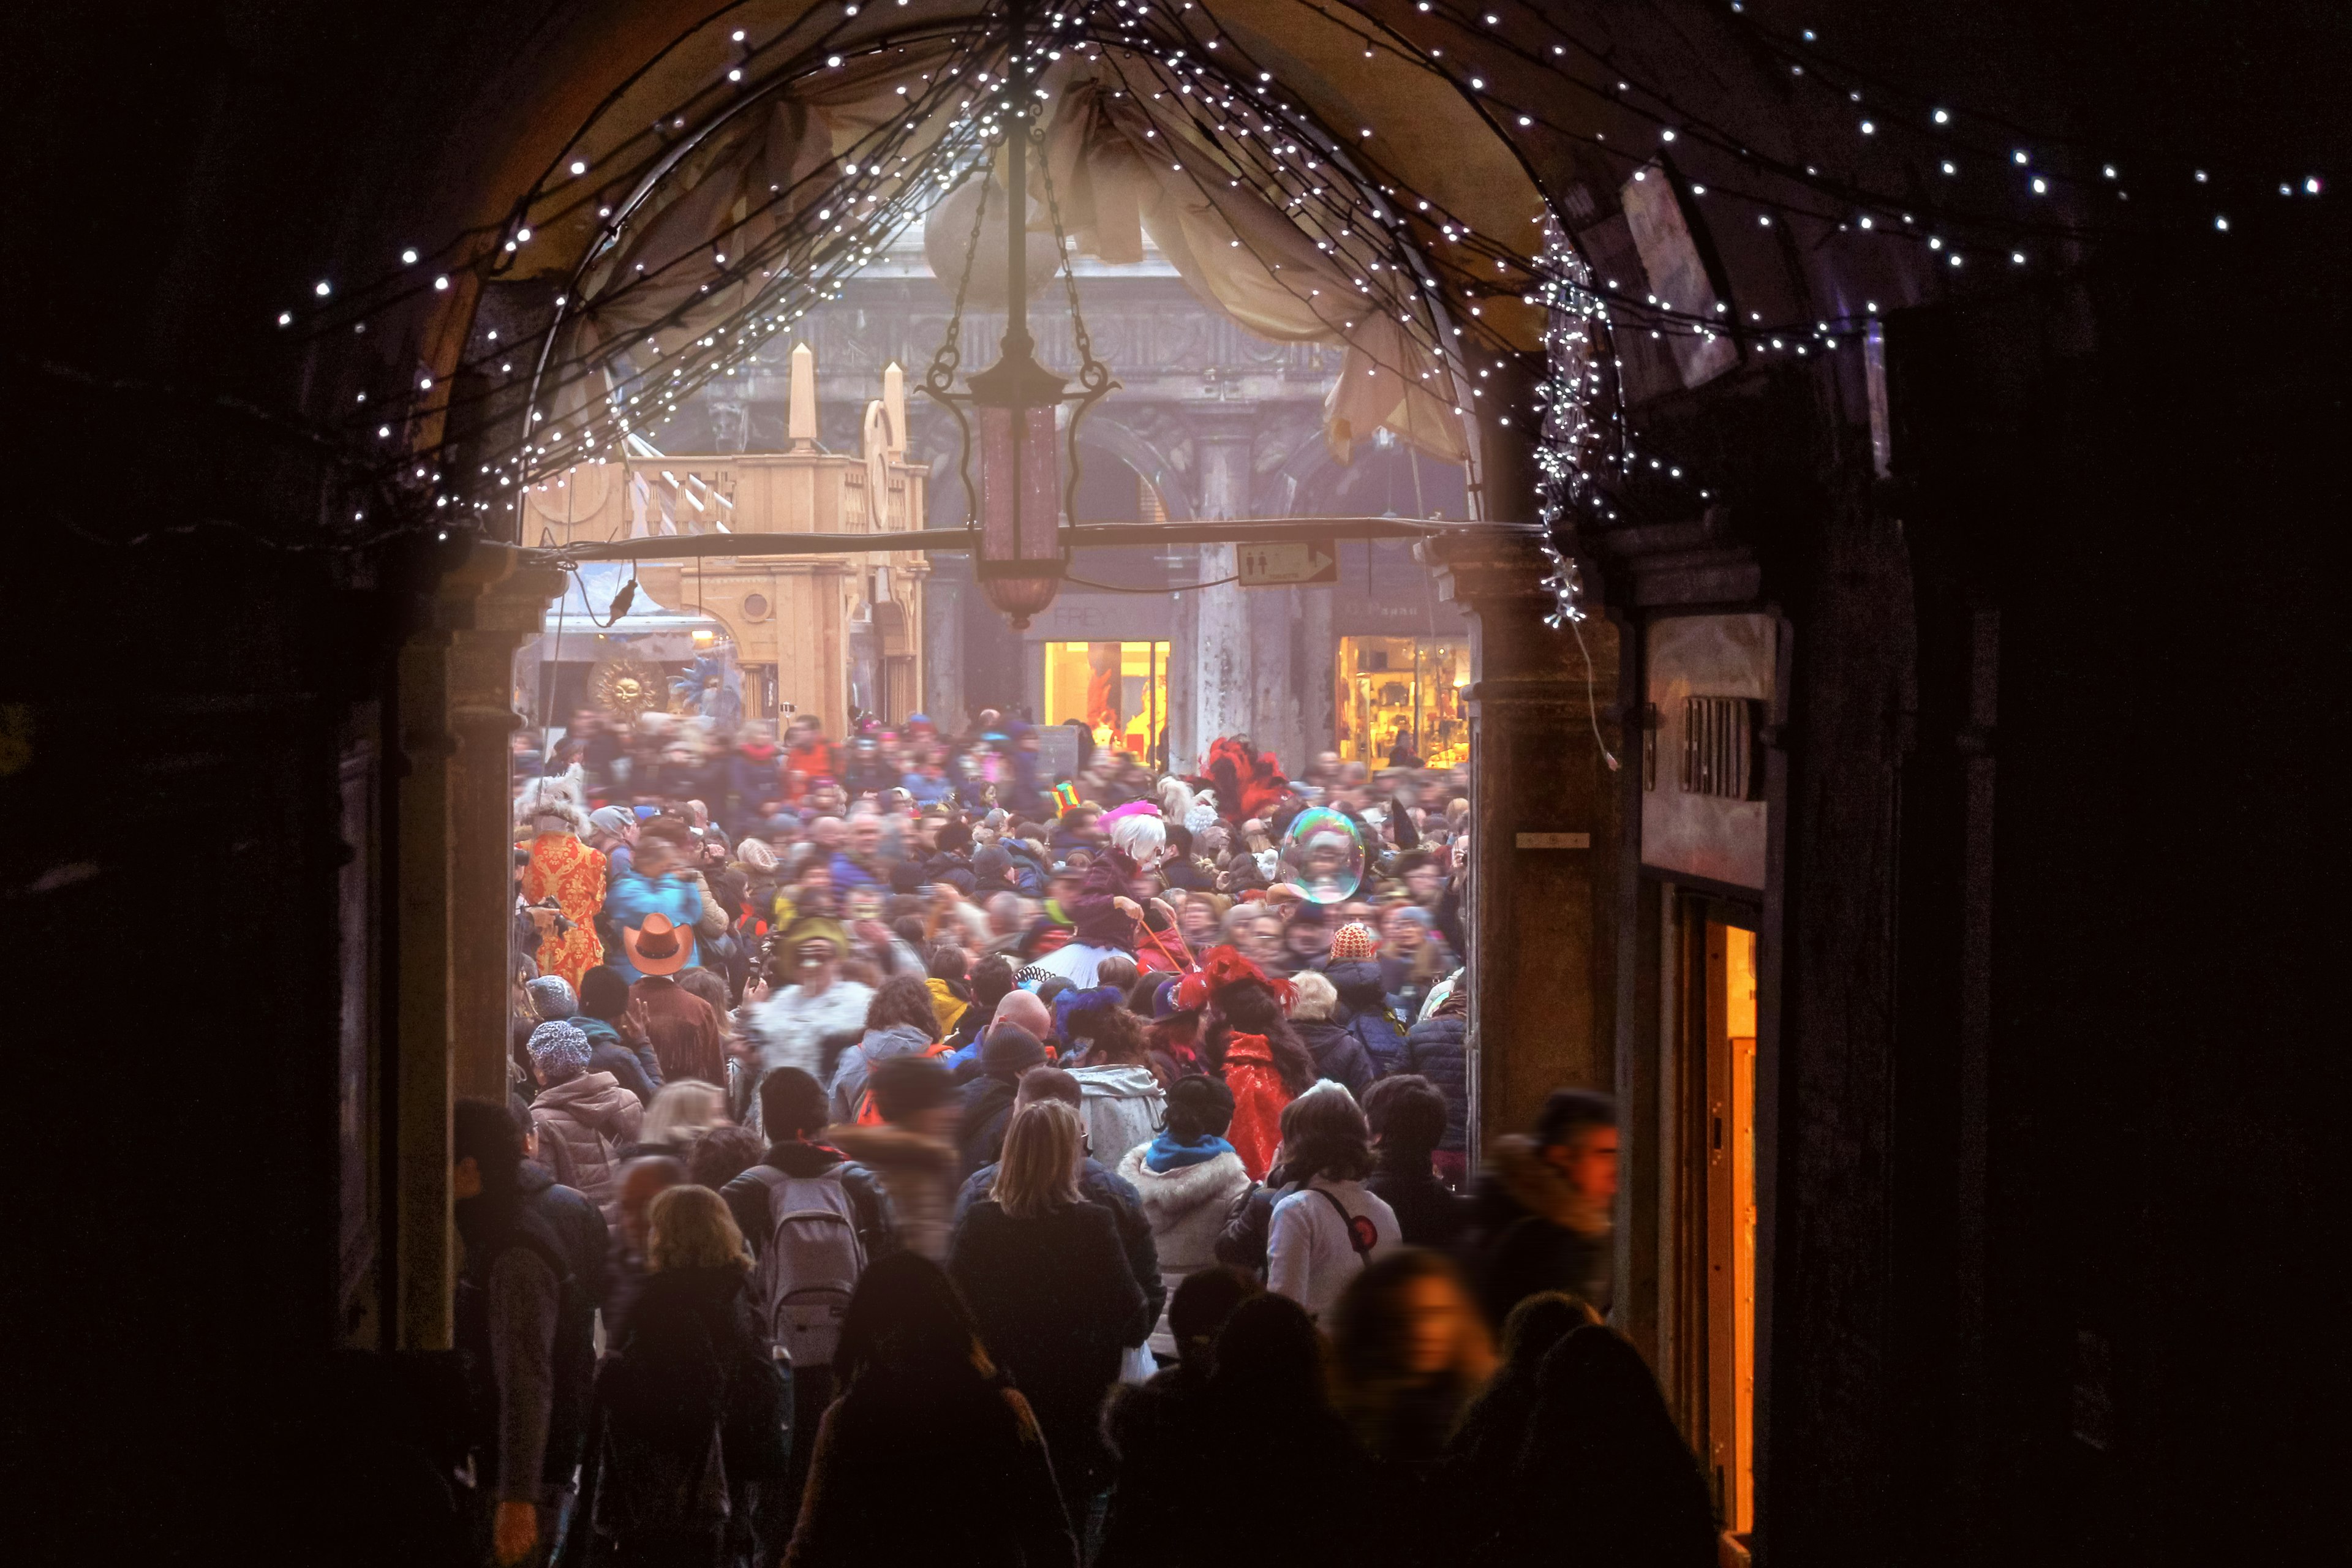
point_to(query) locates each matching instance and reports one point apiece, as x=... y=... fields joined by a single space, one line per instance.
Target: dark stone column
x=1541 y=919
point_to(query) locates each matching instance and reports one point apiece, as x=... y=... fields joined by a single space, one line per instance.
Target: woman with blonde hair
x=690 y=1460
x=1051 y=1288
x=682 y=1111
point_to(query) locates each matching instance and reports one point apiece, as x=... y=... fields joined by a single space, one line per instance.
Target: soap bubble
x=1323 y=856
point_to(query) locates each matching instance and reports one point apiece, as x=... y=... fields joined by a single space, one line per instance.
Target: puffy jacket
x=1338 y=1055
x=583 y=1124
x=1186 y=1209
x=879 y=1045
x=1435 y=1049
x=1365 y=1008
x=1122 y=1107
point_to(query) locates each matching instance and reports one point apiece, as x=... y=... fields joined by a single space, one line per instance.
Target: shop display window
x=1118 y=689
x=1409 y=686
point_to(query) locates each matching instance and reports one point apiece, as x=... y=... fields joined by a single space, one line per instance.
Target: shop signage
x=1105 y=617
x=1288 y=563
x=1555 y=841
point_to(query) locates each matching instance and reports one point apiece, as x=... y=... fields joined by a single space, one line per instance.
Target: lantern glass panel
x=1020 y=484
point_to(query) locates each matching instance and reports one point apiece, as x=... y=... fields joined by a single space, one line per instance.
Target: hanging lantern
x=1016 y=508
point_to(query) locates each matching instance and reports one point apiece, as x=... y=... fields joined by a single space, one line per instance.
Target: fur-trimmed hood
x=554 y=803
x=1167 y=1196
x=1537 y=1185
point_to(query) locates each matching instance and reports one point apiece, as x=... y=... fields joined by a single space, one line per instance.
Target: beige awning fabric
x=1123 y=161
x=1128 y=156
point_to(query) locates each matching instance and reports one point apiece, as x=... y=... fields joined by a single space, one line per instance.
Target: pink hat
x=1354 y=941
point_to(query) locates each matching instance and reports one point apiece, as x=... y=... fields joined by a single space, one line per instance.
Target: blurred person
x=1125 y=1104
x=681 y=1112
x=911 y=1149
x=1436 y=1049
x=1545 y=1206
x=617 y=1043
x=1306 y=940
x=1338 y=1055
x=1411 y=1350
x=1354 y=970
x=570 y=1216
x=516 y=1316
x=930 y=1456
x=1185 y=1180
x=694 y=1414
x=1157 y=1433
x=582 y=1119
x=1603 y=1466
x=948 y=970
x=1485 y=1447
x=899 y=1021
x=810 y=1000
x=1051 y=1290
x=722 y=1153
x=1330 y=1229
x=626 y=1267
x=992 y=980
x=1413 y=957
x=857 y=860
x=1408 y=1117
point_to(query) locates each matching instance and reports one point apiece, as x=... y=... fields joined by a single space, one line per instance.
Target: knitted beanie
x=551 y=995
x=559 y=1050
x=1353 y=941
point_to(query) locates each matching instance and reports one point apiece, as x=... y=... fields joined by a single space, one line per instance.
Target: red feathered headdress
x=1222 y=969
x=1248 y=784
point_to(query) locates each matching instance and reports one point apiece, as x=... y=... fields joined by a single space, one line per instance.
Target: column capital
x=1487 y=563
x=492 y=591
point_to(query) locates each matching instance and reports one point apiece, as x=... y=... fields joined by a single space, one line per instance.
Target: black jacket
x=1338 y=1055
x=576 y=1223
x=690 y=1363
x=1056 y=1303
x=1100 y=1185
x=634 y=1068
x=1526 y=1242
x=1428 y=1213
x=1435 y=1049
x=987 y=1112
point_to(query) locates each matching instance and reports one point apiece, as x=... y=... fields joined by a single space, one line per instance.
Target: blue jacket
x=1366 y=1008
x=1434 y=1050
x=631 y=897
x=848 y=874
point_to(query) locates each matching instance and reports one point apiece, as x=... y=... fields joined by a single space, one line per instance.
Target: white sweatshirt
x=1309 y=1256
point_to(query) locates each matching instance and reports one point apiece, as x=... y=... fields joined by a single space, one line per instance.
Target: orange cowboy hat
x=657 y=947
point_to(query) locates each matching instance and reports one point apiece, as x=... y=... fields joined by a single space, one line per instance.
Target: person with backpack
x=911 y=1149
x=813 y=1220
x=1354 y=971
x=898 y=1022
x=1408 y=1117
x=520 y=1319
x=1330 y=1229
x=583 y=1120
x=693 y=1447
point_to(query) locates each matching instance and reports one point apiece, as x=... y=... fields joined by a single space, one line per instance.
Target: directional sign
x=1283 y=562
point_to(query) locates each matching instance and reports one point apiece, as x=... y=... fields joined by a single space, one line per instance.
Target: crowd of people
x=914 y=1159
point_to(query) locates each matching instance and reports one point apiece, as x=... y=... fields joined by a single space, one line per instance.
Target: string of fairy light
x=1404 y=253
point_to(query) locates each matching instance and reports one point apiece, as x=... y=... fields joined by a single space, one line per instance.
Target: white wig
x=1175 y=798
x=555 y=802
x=1141 y=837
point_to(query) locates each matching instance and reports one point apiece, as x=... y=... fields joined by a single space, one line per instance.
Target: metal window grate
x=1719 y=747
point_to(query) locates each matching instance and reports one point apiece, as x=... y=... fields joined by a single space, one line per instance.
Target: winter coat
x=1056 y=1301
x=1435 y=1051
x=1428 y=1213
x=631 y=1062
x=918 y=1175
x=1536 y=1233
x=684 y=1029
x=1365 y=1010
x=788 y=1025
x=524 y=1337
x=577 y=1224
x=583 y=1124
x=1338 y=1055
x=1258 y=1099
x=1123 y=1107
x=922 y=1472
x=690 y=1363
x=1099 y=1184
x=1186 y=1209
x=1309 y=1256
x=848 y=1092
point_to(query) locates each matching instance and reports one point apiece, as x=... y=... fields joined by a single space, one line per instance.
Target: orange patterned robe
x=574 y=874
